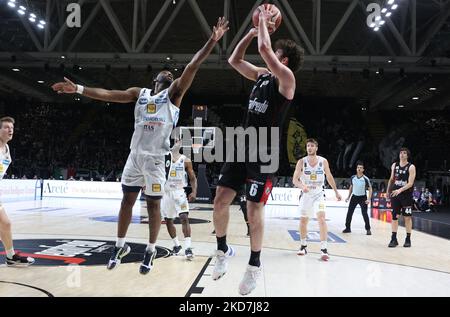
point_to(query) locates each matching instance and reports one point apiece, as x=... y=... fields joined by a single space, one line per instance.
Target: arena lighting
x=401 y=106
x=433 y=88
x=40 y=81
x=379 y=22
x=16 y=70
x=415 y=98
x=22 y=11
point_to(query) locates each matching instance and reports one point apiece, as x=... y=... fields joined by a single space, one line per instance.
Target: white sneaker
x=248 y=283
x=221 y=265
x=324 y=256
x=302 y=250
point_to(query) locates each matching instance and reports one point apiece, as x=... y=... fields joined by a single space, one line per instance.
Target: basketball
x=276 y=17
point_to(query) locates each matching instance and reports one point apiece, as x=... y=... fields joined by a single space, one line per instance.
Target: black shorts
x=236 y=175
x=402 y=205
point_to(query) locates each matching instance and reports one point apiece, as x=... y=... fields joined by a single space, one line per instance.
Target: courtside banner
x=290 y=197
x=82 y=189
x=18 y=189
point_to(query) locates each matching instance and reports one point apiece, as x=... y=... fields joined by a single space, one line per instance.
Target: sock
x=394 y=235
x=323 y=245
x=254 y=258
x=222 y=244
x=303 y=242
x=187 y=242
x=408 y=236
x=10 y=253
x=120 y=242
x=176 y=242
x=151 y=247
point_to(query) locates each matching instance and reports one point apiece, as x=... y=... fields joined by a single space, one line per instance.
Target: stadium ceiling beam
x=413 y=36
x=379 y=34
x=317 y=4
x=204 y=24
x=287 y=22
x=226 y=14
x=436 y=27
x=48 y=13
x=169 y=22
x=61 y=31
x=243 y=28
x=153 y=26
x=398 y=36
x=299 y=27
x=338 y=27
x=30 y=32
x=141 y=60
x=116 y=24
x=135 y=22
x=85 y=26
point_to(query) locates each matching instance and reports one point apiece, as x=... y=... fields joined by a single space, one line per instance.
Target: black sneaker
x=176 y=250
x=117 y=255
x=19 y=261
x=346 y=230
x=189 y=254
x=393 y=243
x=369 y=233
x=407 y=243
x=147 y=262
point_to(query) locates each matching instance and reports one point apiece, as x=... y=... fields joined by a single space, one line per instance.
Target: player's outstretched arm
x=182 y=84
x=285 y=76
x=119 y=96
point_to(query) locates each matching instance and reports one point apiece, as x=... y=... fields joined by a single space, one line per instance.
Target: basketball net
x=196 y=148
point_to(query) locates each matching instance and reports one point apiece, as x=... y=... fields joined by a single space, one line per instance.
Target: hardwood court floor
x=360 y=265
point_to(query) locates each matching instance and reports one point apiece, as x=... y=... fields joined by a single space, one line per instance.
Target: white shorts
x=174 y=202
x=149 y=171
x=311 y=204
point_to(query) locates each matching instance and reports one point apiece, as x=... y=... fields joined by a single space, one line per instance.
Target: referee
x=357 y=190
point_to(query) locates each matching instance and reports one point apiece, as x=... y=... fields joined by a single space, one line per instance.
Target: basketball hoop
x=196 y=148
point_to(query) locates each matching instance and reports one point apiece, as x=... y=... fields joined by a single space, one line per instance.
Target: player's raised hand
x=65 y=87
x=266 y=14
x=219 y=29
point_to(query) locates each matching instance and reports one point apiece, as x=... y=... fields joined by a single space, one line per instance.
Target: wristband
x=80 y=89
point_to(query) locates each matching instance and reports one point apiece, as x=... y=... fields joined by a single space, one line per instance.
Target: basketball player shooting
x=269 y=101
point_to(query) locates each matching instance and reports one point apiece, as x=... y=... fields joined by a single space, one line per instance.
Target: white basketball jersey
x=177 y=178
x=313 y=177
x=5 y=161
x=154 y=119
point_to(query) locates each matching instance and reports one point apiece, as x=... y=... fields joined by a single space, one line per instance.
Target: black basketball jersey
x=266 y=107
x=401 y=176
